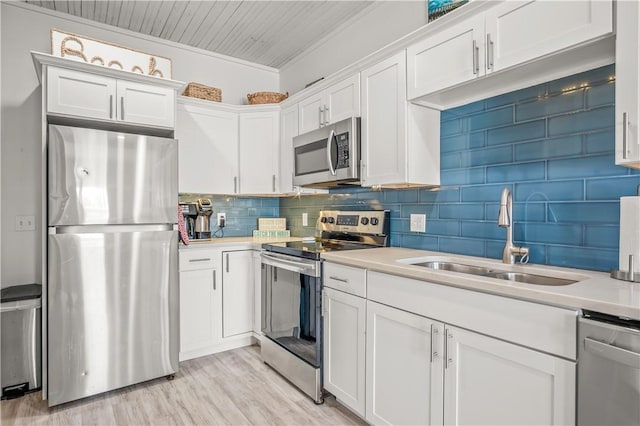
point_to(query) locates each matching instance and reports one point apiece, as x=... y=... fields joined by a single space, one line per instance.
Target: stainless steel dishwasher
x=608 y=370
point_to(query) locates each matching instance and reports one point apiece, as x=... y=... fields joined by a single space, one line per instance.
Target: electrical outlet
x=222 y=220
x=418 y=223
x=25 y=223
x=305 y=219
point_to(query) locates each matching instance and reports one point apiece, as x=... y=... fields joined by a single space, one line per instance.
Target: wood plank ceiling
x=265 y=32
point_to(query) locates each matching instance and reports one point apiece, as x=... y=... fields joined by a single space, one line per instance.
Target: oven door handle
x=289 y=265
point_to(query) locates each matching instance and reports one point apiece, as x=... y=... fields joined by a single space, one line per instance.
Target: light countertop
x=251 y=242
x=595 y=290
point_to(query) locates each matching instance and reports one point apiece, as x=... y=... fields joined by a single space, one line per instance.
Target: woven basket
x=196 y=90
x=266 y=97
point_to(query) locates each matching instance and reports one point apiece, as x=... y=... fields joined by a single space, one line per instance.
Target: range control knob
x=364 y=221
x=323 y=219
x=331 y=220
x=374 y=221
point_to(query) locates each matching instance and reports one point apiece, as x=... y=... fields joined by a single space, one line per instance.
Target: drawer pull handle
x=342 y=280
x=203 y=259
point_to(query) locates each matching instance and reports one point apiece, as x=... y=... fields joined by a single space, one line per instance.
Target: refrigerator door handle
x=105 y=229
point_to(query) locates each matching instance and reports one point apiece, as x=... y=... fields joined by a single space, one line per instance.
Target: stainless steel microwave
x=328 y=156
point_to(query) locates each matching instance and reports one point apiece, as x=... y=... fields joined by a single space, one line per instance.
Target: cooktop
x=340 y=230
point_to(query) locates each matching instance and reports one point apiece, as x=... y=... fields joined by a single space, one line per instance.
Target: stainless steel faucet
x=505 y=220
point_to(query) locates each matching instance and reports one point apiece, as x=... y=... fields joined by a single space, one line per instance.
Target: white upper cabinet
x=335 y=103
x=449 y=57
x=288 y=130
x=208 y=148
x=400 y=141
x=519 y=31
x=77 y=93
x=489 y=381
x=259 y=152
x=628 y=84
x=89 y=96
x=311 y=113
x=145 y=104
x=552 y=38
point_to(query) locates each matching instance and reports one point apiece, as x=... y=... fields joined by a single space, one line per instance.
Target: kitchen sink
x=521 y=277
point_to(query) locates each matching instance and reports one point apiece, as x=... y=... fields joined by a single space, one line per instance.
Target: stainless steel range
x=292 y=292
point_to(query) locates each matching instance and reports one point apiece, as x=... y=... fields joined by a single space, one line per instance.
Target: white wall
x=374 y=28
x=24 y=28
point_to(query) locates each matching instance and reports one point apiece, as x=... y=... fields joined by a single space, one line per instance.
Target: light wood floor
x=233 y=387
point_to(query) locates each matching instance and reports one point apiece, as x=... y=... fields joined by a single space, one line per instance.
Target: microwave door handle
x=332 y=136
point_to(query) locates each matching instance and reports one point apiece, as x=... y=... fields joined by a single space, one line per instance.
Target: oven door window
x=311 y=158
x=291 y=314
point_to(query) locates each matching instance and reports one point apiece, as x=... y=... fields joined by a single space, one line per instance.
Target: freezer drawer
x=113 y=311
x=100 y=177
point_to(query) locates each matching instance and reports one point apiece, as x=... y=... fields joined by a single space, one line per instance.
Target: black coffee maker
x=190 y=213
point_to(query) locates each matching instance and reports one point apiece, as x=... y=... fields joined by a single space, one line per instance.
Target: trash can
x=20 y=346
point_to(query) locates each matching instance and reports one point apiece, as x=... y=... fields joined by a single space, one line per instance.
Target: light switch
x=305 y=219
x=418 y=223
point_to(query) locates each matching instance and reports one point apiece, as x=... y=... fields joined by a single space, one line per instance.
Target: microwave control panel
x=343 y=150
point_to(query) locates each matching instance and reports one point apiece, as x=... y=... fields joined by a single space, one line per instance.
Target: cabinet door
x=258 y=270
x=237 y=292
x=628 y=84
x=342 y=100
x=288 y=130
x=448 y=58
x=259 y=152
x=145 y=104
x=208 y=150
x=344 y=321
x=404 y=367
x=310 y=113
x=198 y=324
x=519 y=31
x=489 y=381
x=384 y=122
x=77 y=93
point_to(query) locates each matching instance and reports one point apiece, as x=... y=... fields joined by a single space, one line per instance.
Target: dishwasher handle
x=614 y=353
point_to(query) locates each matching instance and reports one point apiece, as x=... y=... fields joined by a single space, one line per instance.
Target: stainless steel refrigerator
x=112 y=261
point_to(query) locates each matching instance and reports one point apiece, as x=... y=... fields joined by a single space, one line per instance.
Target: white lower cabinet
x=197 y=306
x=488 y=381
x=426 y=371
x=217 y=291
x=404 y=367
x=344 y=323
x=200 y=295
x=237 y=292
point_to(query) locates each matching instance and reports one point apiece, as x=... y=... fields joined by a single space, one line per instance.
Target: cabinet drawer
x=541 y=327
x=345 y=278
x=191 y=260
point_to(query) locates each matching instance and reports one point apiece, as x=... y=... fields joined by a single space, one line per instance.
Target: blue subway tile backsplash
x=551 y=144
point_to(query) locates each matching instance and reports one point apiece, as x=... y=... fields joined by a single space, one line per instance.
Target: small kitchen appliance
x=205 y=210
x=329 y=156
x=190 y=213
x=292 y=292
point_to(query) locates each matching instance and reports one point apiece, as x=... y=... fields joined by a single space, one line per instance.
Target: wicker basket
x=196 y=90
x=266 y=97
